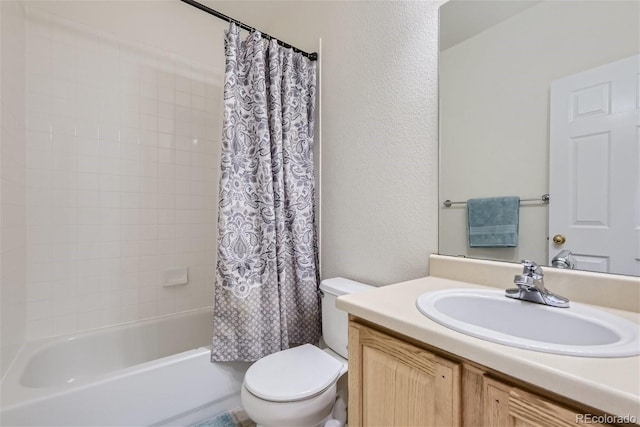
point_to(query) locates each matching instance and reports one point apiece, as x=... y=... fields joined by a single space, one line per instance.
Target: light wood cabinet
x=394 y=382
x=509 y=406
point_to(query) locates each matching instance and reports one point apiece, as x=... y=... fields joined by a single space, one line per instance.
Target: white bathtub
x=153 y=372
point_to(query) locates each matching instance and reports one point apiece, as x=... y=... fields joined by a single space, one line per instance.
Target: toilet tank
x=335 y=323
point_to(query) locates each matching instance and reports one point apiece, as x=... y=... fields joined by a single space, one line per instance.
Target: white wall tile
x=110 y=249
x=110 y=233
x=38 y=310
x=149 y=153
x=129 y=312
x=38 y=102
x=112 y=168
x=37 y=159
x=129 y=167
x=65 y=324
x=109 y=165
x=88 y=198
x=183 y=142
x=64 y=198
x=166 y=109
x=64 y=251
x=38 y=121
x=38 y=83
x=129 y=200
x=109 y=132
x=110 y=182
x=167 y=246
x=166 y=175
x=62 y=84
x=86 y=107
x=128 y=184
x=38 y=141
x=182 y=183
x=40 y=328
x=148 y=137
x=87 y=181
x=88 y=163
x=63 y=164
x=42 y=216
x=61 y=34
x=64 y=214
x=129 y=248
x=39 y=178
x=129 y=151
x=148 y=192
x=198 y=102
x=182 y=83
x=63 y=106
x=62 y=143
x=65 y=305
x=148 y=247
x=148 y=106
x=62 y=124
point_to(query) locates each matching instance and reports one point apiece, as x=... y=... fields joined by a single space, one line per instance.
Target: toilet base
x=312 y=412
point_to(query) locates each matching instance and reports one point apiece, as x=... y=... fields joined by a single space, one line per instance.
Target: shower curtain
x=266 y=290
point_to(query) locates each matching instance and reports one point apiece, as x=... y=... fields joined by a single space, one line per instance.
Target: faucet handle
x=564 y=259
x=531 y=269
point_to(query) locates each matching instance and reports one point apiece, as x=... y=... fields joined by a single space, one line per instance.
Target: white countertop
x=609 y=384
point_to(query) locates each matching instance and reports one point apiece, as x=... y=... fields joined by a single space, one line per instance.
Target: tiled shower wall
x=122 y=178
x=12 y=181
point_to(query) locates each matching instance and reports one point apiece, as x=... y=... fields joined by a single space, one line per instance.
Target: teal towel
x=493 y=222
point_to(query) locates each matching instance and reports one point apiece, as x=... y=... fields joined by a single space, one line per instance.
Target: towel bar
x=544 y=199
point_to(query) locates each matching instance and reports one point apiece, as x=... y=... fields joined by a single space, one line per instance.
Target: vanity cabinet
x=509 y=406
x=394 y=382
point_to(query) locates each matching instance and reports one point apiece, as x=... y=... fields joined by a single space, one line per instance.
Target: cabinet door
x=394 y=383
x=506 y=406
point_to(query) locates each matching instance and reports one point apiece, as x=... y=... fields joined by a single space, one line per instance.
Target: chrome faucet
x=564 y=259
x=530 y=287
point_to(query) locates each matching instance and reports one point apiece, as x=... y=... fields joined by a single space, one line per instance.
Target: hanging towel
x=493 y=222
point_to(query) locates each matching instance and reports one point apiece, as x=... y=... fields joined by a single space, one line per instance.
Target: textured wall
x=12 y=180
x=380 y=140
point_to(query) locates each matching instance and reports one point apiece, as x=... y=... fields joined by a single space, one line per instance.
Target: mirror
x=497 y=62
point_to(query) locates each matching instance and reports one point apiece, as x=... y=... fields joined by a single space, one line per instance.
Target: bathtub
x=153 y=372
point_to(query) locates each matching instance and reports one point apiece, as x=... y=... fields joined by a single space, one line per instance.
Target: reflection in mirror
x=542 y=97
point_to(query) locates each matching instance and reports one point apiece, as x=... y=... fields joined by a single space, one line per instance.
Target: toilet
x=297 y=386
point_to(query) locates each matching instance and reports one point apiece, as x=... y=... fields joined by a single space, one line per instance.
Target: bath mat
x=233 y=418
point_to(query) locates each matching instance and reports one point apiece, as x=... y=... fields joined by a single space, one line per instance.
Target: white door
x=594 y=178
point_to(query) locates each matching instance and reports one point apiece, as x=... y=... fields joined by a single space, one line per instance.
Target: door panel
x=594 y=167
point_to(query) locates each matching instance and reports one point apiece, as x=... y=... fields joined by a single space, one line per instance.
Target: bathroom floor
x=233 y=418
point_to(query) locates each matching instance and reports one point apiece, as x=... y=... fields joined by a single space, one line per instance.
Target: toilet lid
x=293 y=374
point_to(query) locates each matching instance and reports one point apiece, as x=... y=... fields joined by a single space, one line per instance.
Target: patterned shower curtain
x=266 y=290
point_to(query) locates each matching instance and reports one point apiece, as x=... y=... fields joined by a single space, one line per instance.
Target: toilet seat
x=291 y=375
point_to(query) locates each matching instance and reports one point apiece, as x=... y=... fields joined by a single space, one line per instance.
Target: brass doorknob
x=559 y=239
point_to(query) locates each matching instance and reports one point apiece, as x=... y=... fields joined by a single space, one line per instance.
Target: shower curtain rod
x=312 y=56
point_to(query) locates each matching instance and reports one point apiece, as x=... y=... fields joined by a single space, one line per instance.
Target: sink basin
x=579 y=330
